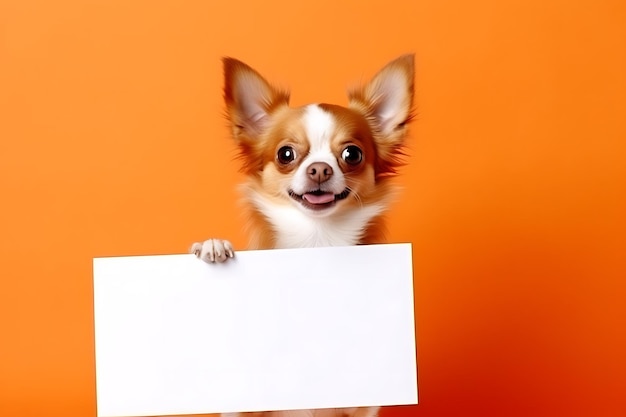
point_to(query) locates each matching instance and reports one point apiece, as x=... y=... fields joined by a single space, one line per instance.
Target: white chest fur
x=294 y=228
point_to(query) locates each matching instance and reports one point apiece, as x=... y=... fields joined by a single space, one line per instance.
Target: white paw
x=213 y=250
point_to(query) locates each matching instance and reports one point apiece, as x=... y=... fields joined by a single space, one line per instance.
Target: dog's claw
x=196 y=248
x=213 y=250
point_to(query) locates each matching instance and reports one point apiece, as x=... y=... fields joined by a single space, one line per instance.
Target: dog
x=316 y=175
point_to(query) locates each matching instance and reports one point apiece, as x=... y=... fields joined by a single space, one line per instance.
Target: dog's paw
x=213 y=250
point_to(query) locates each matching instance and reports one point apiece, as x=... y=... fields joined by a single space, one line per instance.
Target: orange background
x=112 y=142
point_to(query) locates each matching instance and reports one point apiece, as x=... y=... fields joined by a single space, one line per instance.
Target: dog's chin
x=318 y=202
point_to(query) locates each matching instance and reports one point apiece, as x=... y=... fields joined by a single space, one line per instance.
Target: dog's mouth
x=319 y=199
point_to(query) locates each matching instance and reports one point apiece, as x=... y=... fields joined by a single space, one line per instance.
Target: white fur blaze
x=320 y=127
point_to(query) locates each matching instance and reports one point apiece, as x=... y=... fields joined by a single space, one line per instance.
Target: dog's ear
x=249 y=99
x=386 y=102
x=387 y=99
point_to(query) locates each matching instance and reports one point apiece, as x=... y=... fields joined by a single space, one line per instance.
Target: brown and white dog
x=319 y=174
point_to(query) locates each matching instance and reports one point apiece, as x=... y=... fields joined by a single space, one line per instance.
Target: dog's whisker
x=356 y=196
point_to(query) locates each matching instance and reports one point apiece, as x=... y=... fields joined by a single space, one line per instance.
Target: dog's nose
x=319 y=172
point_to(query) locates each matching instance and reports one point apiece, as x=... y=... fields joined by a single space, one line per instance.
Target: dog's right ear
x=249 y=100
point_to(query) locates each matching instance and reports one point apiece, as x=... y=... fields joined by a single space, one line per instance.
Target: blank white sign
x=267 y=330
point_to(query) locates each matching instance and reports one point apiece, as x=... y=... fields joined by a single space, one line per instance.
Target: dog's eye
x=352 y=155
x=286 y=155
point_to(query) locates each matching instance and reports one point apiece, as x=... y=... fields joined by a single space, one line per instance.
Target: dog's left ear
x=387 y=99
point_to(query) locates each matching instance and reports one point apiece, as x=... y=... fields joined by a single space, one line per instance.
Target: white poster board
x=267 y=330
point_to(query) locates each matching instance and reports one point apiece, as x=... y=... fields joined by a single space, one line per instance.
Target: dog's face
x=322 y=158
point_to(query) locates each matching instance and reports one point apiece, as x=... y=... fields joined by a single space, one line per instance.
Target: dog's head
x=323 y=158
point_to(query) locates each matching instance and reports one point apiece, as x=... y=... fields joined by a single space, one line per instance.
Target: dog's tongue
x=319 y=198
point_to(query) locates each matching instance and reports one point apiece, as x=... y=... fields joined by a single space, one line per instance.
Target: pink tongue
x=319 y=199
